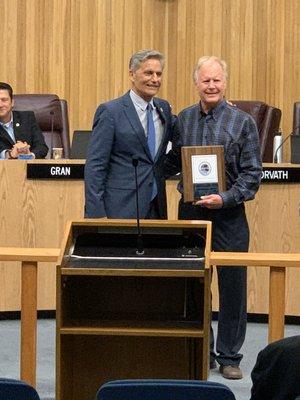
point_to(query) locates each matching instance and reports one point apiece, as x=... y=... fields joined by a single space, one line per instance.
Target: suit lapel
x=162 y=115
x=5 y=135
x=135 y=122
x=17 y=126
x=160 y=111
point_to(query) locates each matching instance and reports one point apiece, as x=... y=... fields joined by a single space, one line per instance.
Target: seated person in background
x=276 y=374
x=19 y=131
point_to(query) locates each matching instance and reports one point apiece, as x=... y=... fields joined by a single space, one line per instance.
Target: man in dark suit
x=19 y=131
x=136 y=125
x=276 y=373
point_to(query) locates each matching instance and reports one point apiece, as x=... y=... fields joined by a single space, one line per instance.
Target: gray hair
x=143 y=55
x=204 y=59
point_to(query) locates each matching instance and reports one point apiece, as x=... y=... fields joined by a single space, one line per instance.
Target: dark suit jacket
x=117 y=136
x=27 y=130
x=276 y=374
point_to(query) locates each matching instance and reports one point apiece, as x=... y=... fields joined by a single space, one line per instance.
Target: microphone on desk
x=277 y=147
x=139 y=242
x=52 y=133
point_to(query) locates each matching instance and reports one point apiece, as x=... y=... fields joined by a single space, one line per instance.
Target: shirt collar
x=214 y=112
x=9 y=123
x=139 y=101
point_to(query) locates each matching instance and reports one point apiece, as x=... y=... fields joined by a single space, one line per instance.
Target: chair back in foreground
x=267 y=119
x=13 y=389
x=157 y=389
x=49 y=110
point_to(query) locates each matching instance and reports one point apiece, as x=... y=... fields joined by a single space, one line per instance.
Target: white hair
x=204 y=59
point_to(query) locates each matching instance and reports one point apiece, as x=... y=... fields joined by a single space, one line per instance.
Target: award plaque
x=203 y=170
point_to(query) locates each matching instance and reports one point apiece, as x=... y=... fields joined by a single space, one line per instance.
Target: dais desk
x=34 y=213
x=274 y=222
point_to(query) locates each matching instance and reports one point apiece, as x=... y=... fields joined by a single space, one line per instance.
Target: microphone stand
x=140 y=245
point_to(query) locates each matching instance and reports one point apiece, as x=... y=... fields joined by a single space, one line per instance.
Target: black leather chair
x=267 y=119
x=295 y=137
x=156 y=389
x=48 y=109
x=296 y=118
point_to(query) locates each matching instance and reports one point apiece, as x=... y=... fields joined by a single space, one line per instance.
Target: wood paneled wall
x=80 y=49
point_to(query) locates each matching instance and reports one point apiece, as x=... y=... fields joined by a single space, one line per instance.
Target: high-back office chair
x=296 y=118
x=48 y=109
x=12 y=389
x=267 y=119
x=156 y=389
x=295 y=137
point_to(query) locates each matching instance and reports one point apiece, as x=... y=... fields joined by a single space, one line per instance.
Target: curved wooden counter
x=34 y=213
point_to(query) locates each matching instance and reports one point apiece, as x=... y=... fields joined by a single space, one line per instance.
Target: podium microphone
x=52 y=133
x=139 y=242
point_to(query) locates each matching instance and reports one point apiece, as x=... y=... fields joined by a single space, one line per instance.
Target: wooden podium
x=118 y=316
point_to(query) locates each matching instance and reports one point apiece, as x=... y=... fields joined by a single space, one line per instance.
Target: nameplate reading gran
x=55 y=171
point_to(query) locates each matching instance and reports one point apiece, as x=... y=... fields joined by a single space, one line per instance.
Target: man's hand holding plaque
x=210 y=201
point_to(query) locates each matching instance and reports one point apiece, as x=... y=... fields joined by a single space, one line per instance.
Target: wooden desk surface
x=274 y=222
x=34 y=213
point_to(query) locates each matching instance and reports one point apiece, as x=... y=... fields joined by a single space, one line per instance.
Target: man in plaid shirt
x=214 y=121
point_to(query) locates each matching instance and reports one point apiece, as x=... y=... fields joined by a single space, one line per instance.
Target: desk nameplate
x=70 y=171
x=55 y=171
x=280 y=175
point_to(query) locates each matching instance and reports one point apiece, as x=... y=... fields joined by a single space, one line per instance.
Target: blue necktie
x=151 y=141
x=151 y=131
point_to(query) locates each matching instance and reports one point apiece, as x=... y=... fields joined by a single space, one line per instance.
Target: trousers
x=230 y=232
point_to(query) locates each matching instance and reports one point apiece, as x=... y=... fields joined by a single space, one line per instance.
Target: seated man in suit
x=276 y=373
x=19 y=131
x=136 y=126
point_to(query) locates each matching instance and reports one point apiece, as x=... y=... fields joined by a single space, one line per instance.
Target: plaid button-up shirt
x=235 y=130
